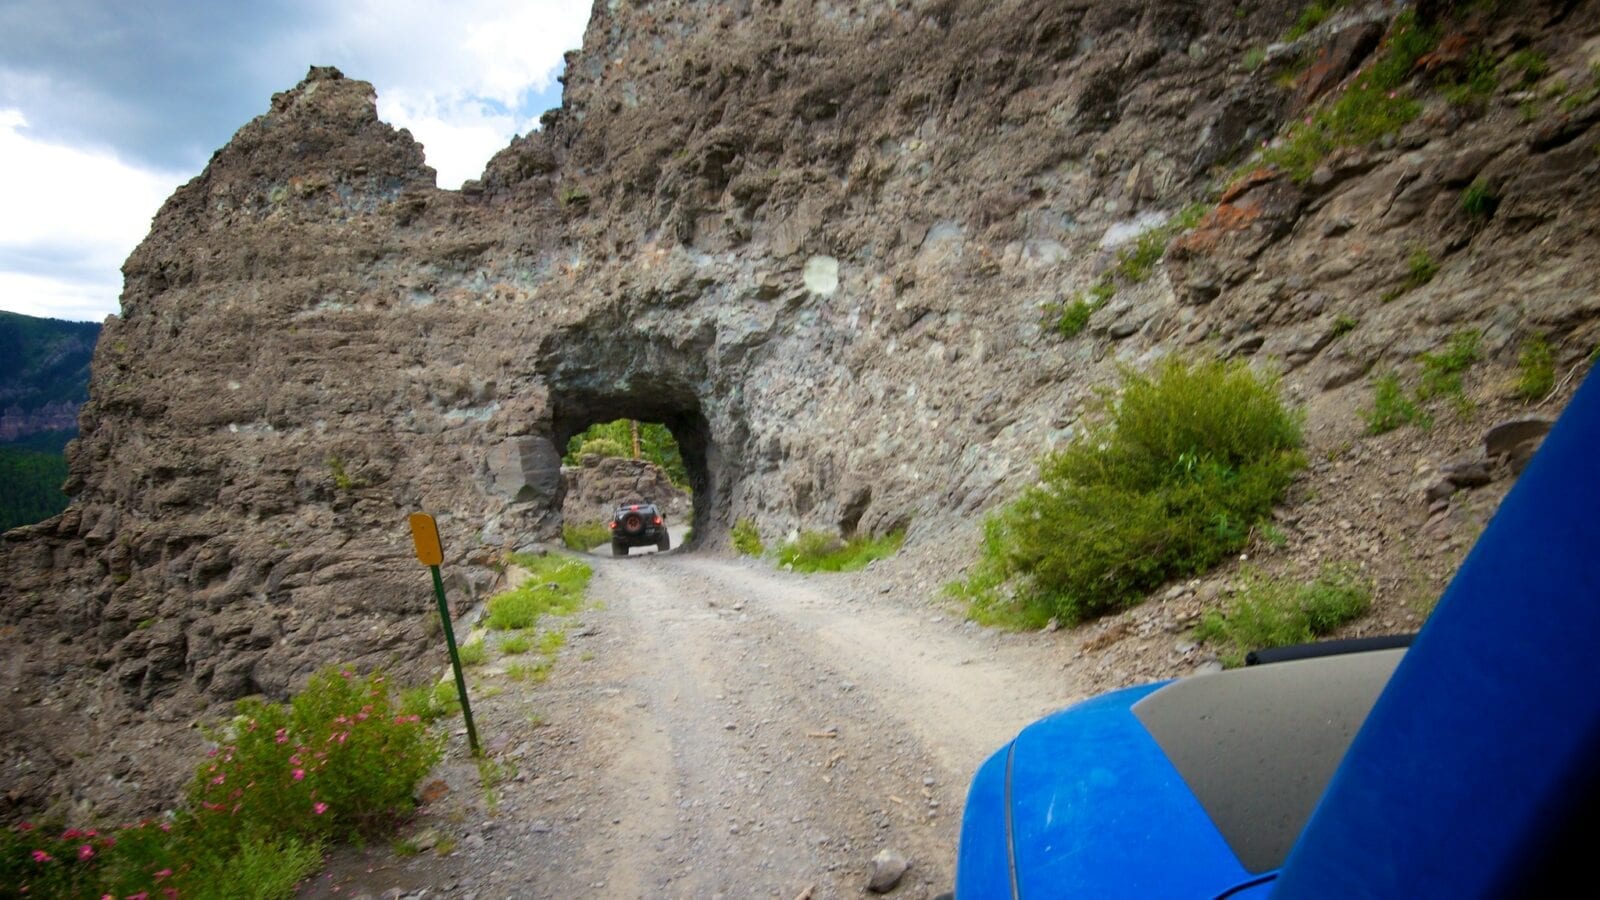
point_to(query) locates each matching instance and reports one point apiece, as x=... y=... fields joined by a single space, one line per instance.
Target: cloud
x=71 y=217
x=105 y=107
x=464 y=83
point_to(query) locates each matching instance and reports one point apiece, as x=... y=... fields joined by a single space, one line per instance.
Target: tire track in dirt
x=719 y=729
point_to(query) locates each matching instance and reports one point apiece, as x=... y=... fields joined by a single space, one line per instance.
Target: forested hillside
x=46 y=361
x=43 y=381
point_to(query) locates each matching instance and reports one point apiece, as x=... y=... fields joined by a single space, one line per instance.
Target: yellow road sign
x=425 y=532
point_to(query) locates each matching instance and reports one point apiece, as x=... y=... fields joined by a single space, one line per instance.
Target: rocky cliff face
x=813 y=239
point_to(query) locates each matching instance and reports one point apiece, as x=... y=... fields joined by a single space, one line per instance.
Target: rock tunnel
x=595 y=380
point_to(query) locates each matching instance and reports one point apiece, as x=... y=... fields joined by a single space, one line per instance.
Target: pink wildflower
x=25 y=826
x=85 y=851
x=282 y=736
x=142 y=895
x=163 y=874
x=219 y=779
x=71 y=834
x=299 y=774
x=39 y=856
x=294 y=760
x=319 y=807
x=166 y=826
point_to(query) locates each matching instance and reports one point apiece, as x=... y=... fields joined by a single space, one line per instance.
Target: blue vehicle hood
x=1097 y=810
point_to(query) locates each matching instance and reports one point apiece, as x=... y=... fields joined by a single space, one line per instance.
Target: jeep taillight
x=612 y=525
x=658 y=520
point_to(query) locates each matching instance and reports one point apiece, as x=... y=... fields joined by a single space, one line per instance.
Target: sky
x=107 y=106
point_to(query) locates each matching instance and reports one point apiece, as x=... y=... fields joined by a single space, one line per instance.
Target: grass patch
x=554 y=588
x=1442 y=371
x=746 y=539
x=472 y=654
x=536 y=672
x=817 y=551
x=1278 y=612
x=1420 y=268
x=1536 y=367
x=1479 y=201
x=585 y=536
x=1370 y=109
x=1183 y=463
x=1584 y=96
x=431 y=701
x=1476 y=83
x=282 y=783
x=1391 y=408
x=1441 y=377
x=550 y=642
x=514 y=644
x=1526 y=67
x=1343 y=325
x=1313 y=15
x=1135 y=264
x=1254 y=58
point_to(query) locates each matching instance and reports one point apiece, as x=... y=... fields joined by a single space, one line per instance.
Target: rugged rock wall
x=813 y=239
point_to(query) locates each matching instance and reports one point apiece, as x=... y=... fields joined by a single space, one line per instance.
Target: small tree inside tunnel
x=631 y=439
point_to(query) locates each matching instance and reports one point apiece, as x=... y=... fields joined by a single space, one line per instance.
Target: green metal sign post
x=425 y=533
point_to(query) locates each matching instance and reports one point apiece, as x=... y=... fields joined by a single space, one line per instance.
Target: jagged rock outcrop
x=812 y=239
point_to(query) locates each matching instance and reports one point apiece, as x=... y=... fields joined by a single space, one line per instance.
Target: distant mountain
x=44 y=374
x=44 y=378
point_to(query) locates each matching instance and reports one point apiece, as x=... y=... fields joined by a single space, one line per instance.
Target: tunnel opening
x=675 y=409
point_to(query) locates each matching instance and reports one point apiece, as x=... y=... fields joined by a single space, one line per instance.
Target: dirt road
x=720 y=729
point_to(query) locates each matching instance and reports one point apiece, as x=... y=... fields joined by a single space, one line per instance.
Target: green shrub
x=817 y=551
x=337 y=761
x=515 y=644
x=554 y=587
x=1277 y=612
x=1343 y=325
x=1537 y=369
x=585 y=536
x=1184 y=462
x=148 y=859
x=746 y=539
x=1254 y=58
x=1391 y=408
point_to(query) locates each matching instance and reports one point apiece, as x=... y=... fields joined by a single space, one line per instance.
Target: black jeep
x=637 y=525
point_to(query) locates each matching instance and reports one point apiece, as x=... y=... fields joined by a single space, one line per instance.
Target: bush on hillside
x=1278 y=612
x=1183 y=462
x=338 y=761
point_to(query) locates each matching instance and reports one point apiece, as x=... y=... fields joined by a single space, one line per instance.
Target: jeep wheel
x=619 y=549
x=665 y=543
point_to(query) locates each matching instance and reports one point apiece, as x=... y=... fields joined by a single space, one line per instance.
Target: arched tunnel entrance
x=575 y=409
